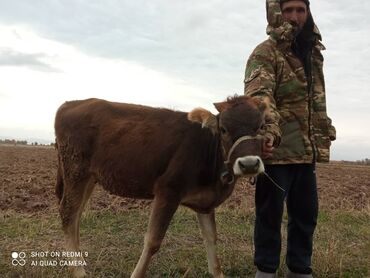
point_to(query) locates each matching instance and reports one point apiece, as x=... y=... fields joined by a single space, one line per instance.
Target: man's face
x=295 y=12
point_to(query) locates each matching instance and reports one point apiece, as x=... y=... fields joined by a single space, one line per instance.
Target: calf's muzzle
x=245 y=156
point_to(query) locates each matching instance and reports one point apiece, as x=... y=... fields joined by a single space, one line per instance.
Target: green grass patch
x=114 y=243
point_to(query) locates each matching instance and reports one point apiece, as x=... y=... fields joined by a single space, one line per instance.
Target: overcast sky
x=168 y=53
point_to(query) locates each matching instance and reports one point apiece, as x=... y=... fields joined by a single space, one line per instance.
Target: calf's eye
x=222 y=129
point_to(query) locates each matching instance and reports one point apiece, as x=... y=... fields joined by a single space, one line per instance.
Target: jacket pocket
x=292 y=143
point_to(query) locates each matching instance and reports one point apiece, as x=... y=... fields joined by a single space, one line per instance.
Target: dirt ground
x=28 y=173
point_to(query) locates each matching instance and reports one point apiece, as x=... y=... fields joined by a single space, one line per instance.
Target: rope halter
x=227 y=176
x=237 y=143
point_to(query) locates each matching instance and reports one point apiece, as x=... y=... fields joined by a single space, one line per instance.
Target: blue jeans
x=299 y=182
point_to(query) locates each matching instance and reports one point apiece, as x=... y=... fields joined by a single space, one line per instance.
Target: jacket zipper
x=310 y=100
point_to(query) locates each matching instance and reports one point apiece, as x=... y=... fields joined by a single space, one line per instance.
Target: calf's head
x=238 y=124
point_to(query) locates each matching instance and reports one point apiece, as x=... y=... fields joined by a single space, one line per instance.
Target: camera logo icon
x=18 y=258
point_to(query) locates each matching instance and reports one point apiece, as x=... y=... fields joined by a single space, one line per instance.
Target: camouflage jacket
x=298 y=121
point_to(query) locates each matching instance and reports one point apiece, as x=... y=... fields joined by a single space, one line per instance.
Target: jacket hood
x=281 y=31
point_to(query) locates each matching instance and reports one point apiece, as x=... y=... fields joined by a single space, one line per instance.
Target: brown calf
x=174 y=158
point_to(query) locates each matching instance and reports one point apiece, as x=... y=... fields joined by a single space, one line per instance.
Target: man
x=287 y=70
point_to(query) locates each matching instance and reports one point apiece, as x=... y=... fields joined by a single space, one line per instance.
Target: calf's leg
x=163 y=208
x=207 y=225
x=75 y=197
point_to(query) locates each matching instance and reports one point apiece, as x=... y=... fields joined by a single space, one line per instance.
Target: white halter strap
x=237 y=142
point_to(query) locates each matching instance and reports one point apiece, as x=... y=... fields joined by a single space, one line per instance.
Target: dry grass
x=114 y=242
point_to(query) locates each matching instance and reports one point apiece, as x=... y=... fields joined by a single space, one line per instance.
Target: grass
x=114 y=242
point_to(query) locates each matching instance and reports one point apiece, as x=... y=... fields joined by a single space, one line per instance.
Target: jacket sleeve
x=332 y=130
x=260 y=81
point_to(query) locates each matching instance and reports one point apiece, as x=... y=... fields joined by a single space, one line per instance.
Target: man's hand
x=267 y=147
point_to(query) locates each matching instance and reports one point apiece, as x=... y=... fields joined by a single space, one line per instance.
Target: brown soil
x=27 y=180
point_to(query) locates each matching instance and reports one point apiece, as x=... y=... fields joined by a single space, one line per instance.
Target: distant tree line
x=13 y=142
x=365 y=161
x=21 y=142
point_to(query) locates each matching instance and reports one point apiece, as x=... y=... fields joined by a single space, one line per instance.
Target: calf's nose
x=243 y=165
x=257 y=164
x=248 y=165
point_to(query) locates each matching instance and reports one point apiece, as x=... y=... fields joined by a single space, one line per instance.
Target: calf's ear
x=222 y=106
x=204 y=117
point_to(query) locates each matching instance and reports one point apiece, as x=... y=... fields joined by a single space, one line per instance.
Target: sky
x=178 y=54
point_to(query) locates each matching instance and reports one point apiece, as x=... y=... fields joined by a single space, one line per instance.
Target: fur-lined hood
x=281 y=31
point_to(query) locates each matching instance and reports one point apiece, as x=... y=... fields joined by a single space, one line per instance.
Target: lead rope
x=274 y=182
x=253 y=181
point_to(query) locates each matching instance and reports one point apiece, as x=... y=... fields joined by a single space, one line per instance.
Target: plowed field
x=27 y=180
